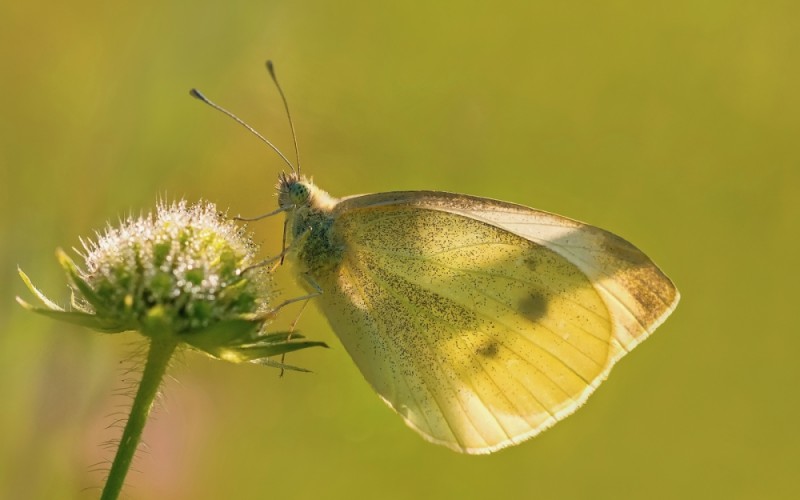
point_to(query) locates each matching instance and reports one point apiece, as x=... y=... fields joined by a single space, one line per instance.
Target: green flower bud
x=185 y=271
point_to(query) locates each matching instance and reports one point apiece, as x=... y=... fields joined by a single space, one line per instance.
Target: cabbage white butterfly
x=480 y=322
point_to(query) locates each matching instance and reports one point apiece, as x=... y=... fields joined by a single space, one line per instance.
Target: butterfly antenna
x=197 y=95
x=271 y=69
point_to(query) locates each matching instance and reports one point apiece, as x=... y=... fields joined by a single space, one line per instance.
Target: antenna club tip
x=196 y=94
x=270 y=67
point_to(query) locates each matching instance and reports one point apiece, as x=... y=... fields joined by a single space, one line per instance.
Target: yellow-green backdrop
x=675 y=125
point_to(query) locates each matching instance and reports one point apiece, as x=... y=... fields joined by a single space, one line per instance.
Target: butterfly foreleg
x=259 y=217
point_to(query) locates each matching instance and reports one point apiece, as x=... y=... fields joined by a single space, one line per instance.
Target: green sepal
x=39 y=295
x=76 y=318
x=238 y=341
x=74 y=276
x=77 y=305
x=264 y=350
x=225 y=334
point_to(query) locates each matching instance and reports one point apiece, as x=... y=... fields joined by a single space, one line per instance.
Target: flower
x=186 y=272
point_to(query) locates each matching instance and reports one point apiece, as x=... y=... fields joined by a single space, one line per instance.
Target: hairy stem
x=161 y=349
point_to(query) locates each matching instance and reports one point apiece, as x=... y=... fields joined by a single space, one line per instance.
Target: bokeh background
x=675 y=125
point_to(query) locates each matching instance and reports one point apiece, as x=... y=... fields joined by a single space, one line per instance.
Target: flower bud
x=185 y=271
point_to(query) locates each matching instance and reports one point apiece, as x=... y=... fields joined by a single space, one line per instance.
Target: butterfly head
x=293 y=191
x=296 y=191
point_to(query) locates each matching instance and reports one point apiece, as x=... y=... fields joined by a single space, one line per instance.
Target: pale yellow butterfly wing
x=482 y=323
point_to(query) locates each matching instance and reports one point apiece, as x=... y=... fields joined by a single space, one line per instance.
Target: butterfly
x=480 y=322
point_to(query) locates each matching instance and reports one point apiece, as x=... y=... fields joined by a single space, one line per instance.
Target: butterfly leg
x=305 y=299
x=273 y=261
x=259 y=217
x=316 y=293
x=277 y=260
x=291 y=331
x=283 y=241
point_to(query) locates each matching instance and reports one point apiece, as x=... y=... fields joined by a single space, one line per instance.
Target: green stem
x=161 y=349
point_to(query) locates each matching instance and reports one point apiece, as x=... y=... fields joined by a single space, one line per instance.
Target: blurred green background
x=675 y=125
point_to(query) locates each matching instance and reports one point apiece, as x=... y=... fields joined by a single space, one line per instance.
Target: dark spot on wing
x=489 y=349
x=532 y=262
x=533 y=307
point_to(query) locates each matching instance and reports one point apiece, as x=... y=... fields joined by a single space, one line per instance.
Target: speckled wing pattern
x=481 y=322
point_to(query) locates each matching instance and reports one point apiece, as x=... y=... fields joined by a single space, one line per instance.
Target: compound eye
x=298 y=193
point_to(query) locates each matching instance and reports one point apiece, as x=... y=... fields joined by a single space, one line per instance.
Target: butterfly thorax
x=309 y=224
